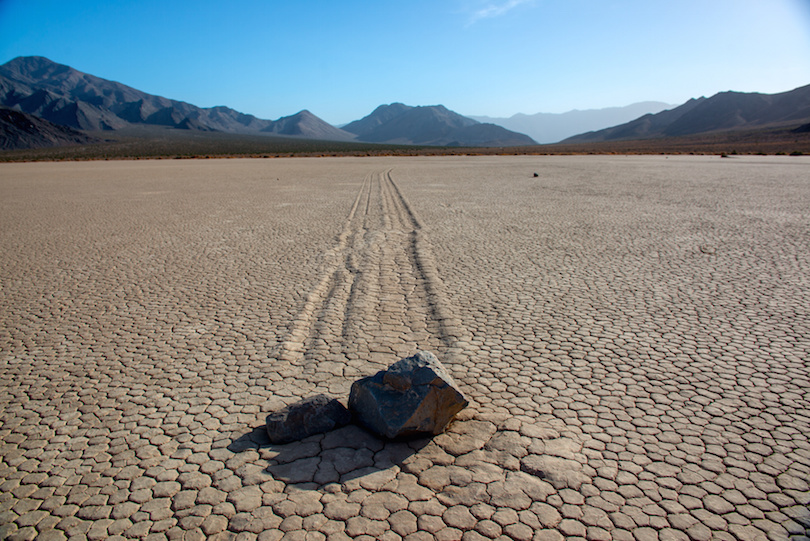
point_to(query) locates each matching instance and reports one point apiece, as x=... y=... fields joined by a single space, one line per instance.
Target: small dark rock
x=414 y=397
x=313 y=415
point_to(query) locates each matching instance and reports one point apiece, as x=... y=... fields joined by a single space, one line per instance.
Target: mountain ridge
x=724 y=111
x=65 y=96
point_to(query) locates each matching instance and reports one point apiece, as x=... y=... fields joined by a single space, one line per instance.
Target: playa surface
x=632 y=332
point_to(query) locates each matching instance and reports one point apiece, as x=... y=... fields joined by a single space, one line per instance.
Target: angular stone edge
x=391 y=382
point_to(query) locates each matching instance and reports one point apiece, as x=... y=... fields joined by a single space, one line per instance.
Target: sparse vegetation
x=160 y=143
x=176 y=144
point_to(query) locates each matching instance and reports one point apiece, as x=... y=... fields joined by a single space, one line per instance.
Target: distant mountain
x=550 y=127
x=430 y=125
x=305 y=124
x=21 y=130
x=722 y=112
x=378 y=117
x=68 y=97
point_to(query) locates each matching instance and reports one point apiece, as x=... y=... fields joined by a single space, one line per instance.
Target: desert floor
x=633 y=334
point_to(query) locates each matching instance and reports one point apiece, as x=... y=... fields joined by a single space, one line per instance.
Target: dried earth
x=633 y=333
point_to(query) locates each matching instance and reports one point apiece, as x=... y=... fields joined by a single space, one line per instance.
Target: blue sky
x=478 y=57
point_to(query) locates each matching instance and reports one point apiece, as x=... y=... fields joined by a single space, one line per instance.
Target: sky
x=340 y=60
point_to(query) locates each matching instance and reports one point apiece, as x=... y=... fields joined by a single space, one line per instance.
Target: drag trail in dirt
x=378 y=295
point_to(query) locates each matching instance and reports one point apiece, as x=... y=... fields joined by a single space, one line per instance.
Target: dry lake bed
x=633 y=334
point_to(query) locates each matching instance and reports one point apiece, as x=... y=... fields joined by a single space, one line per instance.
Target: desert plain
x=633 y=334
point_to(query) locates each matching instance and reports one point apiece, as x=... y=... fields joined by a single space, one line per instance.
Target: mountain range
x=68 y=97
x=553 y=127
x=726 y=111
x=59 y=97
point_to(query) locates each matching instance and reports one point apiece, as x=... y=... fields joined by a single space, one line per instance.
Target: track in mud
x=378 y=298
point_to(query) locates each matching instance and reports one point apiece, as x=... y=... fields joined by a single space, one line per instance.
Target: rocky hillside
x=20 y=130
x=726 y=111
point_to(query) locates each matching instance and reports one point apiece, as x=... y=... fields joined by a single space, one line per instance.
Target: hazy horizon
x=490 y=58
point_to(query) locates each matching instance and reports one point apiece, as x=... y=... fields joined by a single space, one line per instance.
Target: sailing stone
x=415 y=396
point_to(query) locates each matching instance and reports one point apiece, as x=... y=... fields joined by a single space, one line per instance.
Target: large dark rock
x=313 y=415
x=415 y=396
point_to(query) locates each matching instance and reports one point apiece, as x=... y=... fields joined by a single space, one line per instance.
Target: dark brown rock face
x=415 y=396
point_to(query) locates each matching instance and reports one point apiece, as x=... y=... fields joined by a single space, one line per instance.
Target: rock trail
x=378 y=297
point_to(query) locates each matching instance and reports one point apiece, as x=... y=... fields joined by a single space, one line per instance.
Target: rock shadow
x=346 y=454
x=254 y=439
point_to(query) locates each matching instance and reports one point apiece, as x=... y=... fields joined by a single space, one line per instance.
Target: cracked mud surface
x=632 y=332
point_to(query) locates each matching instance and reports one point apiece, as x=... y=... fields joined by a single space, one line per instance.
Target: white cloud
x=496 y=9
